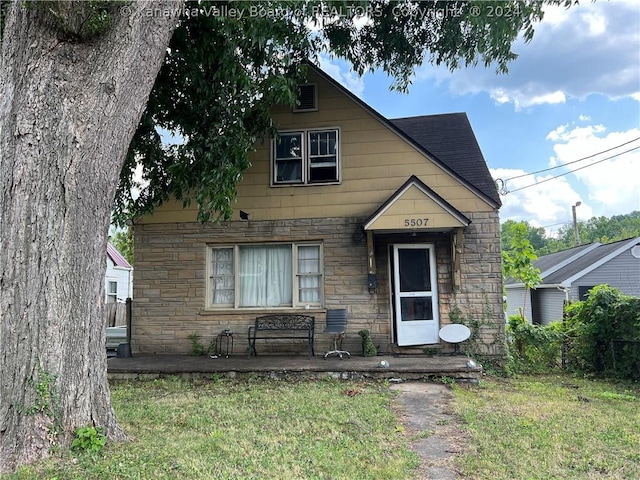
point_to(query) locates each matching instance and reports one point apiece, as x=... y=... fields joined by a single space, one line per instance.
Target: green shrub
x=532 y=348
x=197 y=349
x=368 y=348
x=89 y=439
x=603 y=334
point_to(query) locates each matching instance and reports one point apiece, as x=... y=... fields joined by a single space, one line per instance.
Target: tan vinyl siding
x=374 y=163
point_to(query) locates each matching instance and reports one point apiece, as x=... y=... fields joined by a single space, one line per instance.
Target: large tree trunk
x=68 y=110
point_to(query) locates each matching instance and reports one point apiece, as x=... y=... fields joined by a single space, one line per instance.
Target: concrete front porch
x=401 y=368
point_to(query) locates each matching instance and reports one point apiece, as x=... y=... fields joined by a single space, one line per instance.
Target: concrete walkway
x=424 y=409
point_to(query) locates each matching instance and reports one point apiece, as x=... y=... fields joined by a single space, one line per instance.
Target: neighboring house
x=394 y=220
x=118 y=280
x=570 y=274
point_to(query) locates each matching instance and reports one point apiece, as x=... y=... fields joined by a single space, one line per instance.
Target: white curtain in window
x=265 y=276
x=222 y=275
x=309 y=273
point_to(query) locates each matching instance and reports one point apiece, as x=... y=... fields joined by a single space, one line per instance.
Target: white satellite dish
x=454 y=333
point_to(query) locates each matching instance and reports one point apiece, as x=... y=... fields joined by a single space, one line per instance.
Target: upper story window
x=265 y=276
x=306 y=157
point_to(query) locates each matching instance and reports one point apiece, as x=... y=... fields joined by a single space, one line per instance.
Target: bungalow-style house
x=118 y=279
x=394 y=220
x=570 y=274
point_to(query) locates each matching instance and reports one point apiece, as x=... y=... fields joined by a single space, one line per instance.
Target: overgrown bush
x=491 y=356
x=603 y=334
x=532 y=348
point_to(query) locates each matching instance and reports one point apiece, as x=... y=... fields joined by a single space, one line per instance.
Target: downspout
x=566 y=291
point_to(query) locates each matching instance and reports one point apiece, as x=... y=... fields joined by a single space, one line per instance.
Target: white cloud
x=607 y=183
x=563 y=134
x=611 y=177
x=587 y=49
x=525 y=99
x=341 y=73
x=597 y=23
x=545 y=205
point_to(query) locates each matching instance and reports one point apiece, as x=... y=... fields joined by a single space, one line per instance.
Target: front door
x=415 y=295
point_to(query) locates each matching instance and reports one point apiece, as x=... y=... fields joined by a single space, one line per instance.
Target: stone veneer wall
x=480 y=299
x=170 y=280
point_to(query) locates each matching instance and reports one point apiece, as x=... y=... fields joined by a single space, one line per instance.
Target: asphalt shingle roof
x=583 y=262
x=450 y=139
x=547 y=262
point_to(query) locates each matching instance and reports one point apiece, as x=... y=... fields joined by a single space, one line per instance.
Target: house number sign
x=415 y=222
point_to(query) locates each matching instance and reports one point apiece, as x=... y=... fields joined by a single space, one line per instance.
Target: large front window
x=265 y=276
x=306 y=157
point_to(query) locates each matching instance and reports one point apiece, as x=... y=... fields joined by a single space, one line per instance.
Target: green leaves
x=605 y=333
x=518 y=258
x=223 y=73
x=214 y=95
x=89 y=439
x=533 y=348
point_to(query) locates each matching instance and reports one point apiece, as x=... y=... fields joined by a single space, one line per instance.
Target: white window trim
x=296 y=304
x=109 y=293
x=305 y=158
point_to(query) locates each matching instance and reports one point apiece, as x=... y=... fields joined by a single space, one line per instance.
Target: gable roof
x=590 y=261
x=446 y=216
x=116 y=257
x=563 y=268
x=447 y=139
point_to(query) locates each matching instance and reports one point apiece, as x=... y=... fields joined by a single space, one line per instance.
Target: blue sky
x=574 y=91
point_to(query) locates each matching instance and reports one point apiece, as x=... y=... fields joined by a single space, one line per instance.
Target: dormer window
x=307 y=99
x=306 y=157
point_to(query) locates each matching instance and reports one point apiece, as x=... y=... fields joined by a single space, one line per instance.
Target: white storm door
x=415 y=294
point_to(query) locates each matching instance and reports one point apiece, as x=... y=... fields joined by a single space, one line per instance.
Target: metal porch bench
x=281 y=326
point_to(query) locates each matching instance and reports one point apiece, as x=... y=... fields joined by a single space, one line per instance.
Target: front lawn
x=550 y=427
x=250 y=429
x=546 y=427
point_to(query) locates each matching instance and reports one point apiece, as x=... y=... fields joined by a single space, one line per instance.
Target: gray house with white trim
x=570 y=274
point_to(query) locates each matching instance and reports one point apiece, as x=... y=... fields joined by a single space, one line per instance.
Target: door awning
x=415 y=207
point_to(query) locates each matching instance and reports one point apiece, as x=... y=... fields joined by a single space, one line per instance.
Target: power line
x=504 y=190
x=573 y=161
x=556 y=224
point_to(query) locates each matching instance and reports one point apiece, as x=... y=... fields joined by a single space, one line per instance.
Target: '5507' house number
x=415 y=222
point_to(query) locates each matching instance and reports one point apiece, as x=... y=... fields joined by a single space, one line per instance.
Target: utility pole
x=575 y=224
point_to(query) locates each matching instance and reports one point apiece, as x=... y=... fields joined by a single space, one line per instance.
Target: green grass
x=550 y=427
x=245 y=429
x=545 y=427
